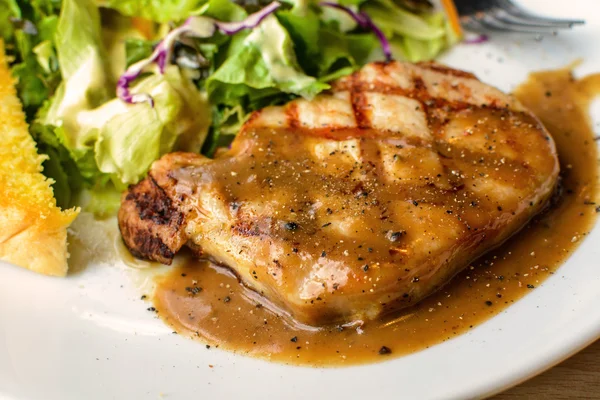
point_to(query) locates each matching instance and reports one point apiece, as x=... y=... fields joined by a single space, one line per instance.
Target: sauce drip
x=206 y=301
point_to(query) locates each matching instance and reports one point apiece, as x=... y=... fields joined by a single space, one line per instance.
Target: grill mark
x=435 y=109
x=449 y=165
x=432 y=66
x=380 y=67
x=437 y=112
x=353 y=83
x=253 y=117
x=360 y=104
x=420 y=94
x=253 y=229
x=419 y=91
x=291 y=113
x=369 y=150
x=454 y=163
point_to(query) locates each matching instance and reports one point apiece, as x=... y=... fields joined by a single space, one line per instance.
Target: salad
x=109 y=86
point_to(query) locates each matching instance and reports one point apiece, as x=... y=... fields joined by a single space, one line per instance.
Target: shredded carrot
x=452 y=15
x=144 y=26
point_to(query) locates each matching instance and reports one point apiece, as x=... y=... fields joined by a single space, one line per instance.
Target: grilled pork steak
x=359 y=202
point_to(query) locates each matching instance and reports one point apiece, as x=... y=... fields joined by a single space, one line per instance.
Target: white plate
x=90 y=337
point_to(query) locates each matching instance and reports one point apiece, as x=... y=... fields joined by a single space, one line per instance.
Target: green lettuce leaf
x=322 y=47
x=78 y=38
x=103 y=201
x=27 y=30
x=394 y=20
x=137 y=49
x=222 y=10
x=83 y=67
x=113 y=143
x=413 y=36
x=122 y=42
x=260 y=69
x=343 y=53
x=351 y=2
x=414 y=50
x=46 y=56
x=340 y=19
x=261 y=64
x=60 y=164
x=155 y=10
x=129 y=137
x=303 y=28
x=214 y=50
x=9 y=10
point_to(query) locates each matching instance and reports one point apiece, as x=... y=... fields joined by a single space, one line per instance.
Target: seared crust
x=149 y=223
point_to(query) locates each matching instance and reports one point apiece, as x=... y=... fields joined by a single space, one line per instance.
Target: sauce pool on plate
x=205 y=301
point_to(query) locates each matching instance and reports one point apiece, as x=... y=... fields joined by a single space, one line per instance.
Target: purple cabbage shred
x=477 y=40
x=252 y=21
x=192 y=28
x=365 y=22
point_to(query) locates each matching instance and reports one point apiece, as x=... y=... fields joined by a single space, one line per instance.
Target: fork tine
x=504 y=15
x=490 y=21
x=518 y=23
x=517 y=14
x=507 y=17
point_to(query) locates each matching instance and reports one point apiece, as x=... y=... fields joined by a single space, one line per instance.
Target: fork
x=503 y=15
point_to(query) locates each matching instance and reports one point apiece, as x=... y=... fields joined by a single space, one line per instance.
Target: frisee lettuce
x=27 y=30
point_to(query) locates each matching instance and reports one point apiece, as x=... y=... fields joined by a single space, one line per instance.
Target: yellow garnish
x=452 y=15
x=34 y=229
x=144 y=26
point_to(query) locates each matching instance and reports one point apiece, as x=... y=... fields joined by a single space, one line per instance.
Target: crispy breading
x=34 y=229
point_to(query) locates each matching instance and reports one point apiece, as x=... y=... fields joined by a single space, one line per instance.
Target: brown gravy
x=205 y=301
